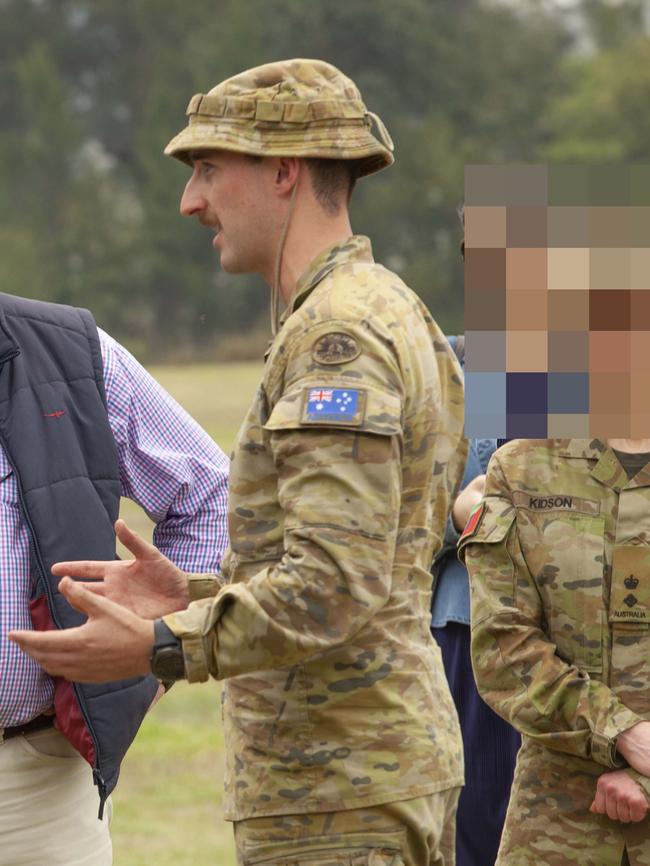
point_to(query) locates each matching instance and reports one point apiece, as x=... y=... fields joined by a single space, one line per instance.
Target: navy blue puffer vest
x=54 y=428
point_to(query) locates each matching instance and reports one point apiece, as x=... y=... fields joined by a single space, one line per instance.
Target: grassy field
x=167 y=806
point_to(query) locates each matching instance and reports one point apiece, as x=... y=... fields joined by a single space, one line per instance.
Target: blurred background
x=90 y=93
x=92 y=90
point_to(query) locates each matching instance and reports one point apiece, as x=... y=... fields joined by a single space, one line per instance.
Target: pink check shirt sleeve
x=168 y=463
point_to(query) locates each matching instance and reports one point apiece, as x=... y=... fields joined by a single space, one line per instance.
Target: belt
x=36 y=724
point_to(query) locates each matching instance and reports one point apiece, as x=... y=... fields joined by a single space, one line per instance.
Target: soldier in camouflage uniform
x=558 y=560
x=342 y=741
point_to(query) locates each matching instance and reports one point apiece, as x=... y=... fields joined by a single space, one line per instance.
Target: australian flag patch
x=333 y=406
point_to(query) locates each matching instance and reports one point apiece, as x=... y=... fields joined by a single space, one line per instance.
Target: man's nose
x=192 y=201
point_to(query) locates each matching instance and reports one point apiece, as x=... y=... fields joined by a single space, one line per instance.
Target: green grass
x=217 y=395
x=167 y=805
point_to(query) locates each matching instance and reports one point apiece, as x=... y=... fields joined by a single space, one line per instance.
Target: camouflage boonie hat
x=302 y=108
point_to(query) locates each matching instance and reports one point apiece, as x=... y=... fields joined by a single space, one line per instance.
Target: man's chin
x=232 y=266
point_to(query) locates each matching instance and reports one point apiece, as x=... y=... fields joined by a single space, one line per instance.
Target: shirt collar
x=607 y=470
x=356 y=248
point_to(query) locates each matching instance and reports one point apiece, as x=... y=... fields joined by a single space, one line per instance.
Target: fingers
x=85 y=599
x=639 y=809
x=620 y=798
x=49 y=648
x=97 y=587
x=74 y=655
x=140 y=548
x=97 y=570
x=598 y=805
x=113 y=646
x=618 y=809
x=81 y=568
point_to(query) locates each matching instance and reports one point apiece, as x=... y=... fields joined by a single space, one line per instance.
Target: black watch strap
x=164 y=636
x=167 y=660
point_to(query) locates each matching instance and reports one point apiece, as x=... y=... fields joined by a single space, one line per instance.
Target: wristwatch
x=167 y=661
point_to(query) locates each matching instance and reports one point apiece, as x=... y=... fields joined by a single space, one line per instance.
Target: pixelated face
x=557 y=301
x=227 y=193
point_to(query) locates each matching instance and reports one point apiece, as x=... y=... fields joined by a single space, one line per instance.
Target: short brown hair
x=332 y=181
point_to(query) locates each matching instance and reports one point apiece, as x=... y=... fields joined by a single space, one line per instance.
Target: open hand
x=149 y=585
x=113 y=644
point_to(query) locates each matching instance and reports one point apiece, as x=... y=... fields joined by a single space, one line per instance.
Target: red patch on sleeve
x=474 y=521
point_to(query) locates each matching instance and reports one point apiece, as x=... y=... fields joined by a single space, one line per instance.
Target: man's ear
x=287 y=172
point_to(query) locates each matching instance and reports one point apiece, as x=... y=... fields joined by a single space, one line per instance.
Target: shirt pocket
x=568 y=550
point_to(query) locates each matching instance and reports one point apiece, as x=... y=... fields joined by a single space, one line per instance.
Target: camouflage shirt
x=559 y=561
x=341 y=480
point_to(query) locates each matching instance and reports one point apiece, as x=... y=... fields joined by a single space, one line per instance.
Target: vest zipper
x=101 y=787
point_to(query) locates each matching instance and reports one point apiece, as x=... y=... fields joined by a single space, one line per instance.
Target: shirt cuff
x=204 y=585
x=642 y=781
x=603 y=743
x=193 y=645
x=603 y=751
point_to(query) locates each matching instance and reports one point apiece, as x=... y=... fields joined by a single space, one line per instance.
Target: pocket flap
x=630 y=588
x=489 y=523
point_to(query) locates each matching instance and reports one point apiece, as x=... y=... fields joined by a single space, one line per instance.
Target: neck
x=630 y=446
x=310 y=231
x=297 y=258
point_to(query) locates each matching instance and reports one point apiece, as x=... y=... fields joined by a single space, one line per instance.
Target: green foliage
x=613 y=24
x=602 y=115
x=92 y=90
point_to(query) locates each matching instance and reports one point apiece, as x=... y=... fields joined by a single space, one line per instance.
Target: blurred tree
x=601 y=115
x=612 y=24
x=92 y=90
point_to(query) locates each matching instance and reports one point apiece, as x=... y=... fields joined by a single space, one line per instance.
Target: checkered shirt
x=168 y=465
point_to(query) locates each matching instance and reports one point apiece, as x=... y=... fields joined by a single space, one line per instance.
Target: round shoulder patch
x=335 y=348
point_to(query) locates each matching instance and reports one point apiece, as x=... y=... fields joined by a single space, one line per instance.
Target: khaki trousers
x=49 y=804
x=418 y=832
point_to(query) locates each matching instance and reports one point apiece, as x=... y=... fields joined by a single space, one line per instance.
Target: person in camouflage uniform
x=558 y=560
x=342 y=741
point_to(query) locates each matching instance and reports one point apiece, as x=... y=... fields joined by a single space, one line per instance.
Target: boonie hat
x=301 y=108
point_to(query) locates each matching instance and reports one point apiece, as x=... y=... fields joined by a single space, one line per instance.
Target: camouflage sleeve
x=517 y=670
x=642 y=781
x=204 y=585
x=339 y=487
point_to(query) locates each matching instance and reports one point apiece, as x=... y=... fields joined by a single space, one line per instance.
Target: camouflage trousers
x=417 y=832
x=549 y=822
